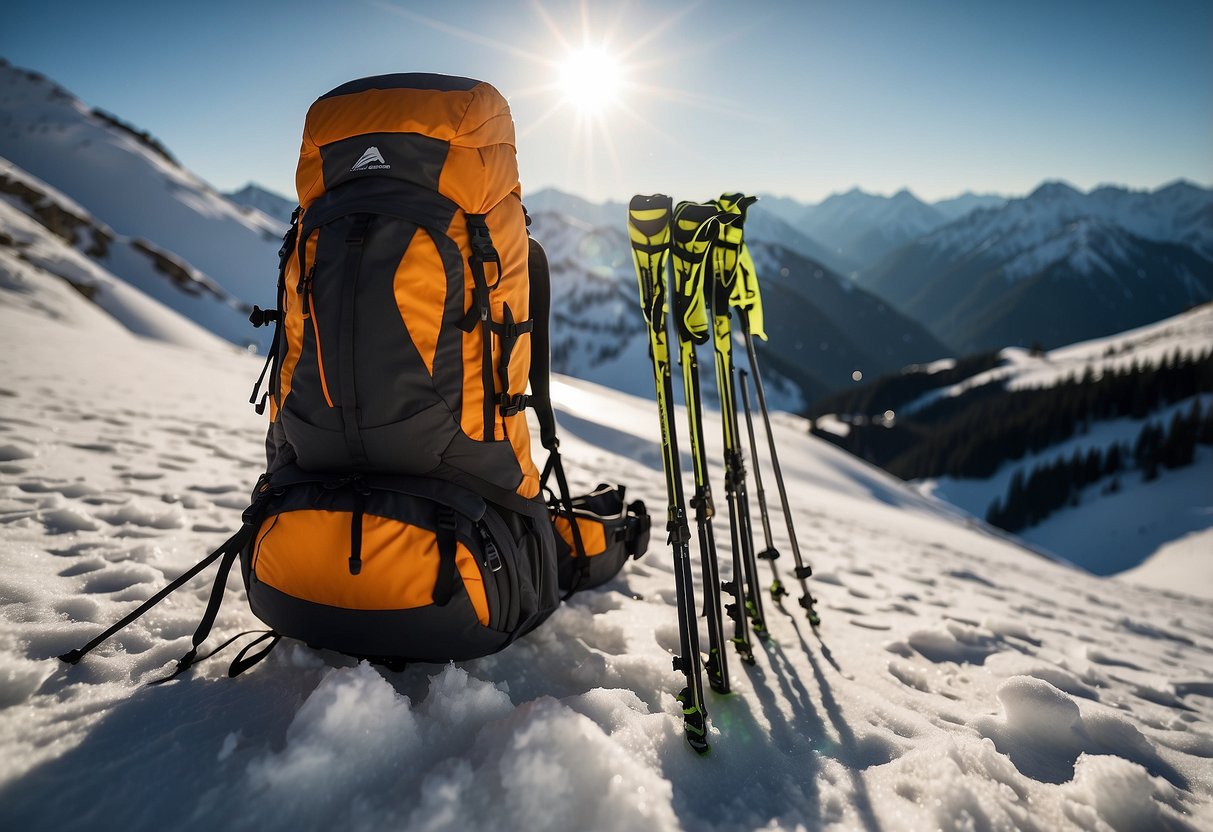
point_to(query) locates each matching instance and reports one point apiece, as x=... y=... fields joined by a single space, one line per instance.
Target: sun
x=590 y=79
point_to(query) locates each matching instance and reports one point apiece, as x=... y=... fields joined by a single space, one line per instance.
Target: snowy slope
x=1191 y=333
x=959 y=681
x=132 y=186
x=149 y=290
x=1107 y=533
x=1181 y=565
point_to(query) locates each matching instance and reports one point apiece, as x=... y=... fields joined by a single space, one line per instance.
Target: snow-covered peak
x=553 y=201
x=1179 y=213
x=1054 y=190
x=273 y=205
x=1087 y=245
x=125 y=179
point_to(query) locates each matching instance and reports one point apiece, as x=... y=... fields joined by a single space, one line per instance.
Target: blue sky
x=794 y=98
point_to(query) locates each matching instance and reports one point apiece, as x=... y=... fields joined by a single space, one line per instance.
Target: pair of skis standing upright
x=712 y=274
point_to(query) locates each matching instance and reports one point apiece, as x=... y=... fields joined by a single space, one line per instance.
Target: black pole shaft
x=770 y=554
x=717 y=665
x=802 y=571
x=734 y=460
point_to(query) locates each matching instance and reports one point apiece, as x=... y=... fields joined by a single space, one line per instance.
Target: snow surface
x=1183 y=565
x=1191 y=333
x=34 y=254
x=1026 y=228
x=1105 y=533
x=959 y=681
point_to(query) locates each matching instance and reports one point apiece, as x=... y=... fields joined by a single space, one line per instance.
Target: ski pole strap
x=233 y=545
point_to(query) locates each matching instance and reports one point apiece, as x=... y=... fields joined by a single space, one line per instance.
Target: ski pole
x=802 y=570
x=725 y=253
x=692 y=232
x=649 y=233
x=770 y=553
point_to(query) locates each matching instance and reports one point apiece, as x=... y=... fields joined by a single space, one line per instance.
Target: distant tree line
x=973 y=434
x=892 y=391
x=1055 y=485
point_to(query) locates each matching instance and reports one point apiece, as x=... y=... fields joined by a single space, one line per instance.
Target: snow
x=1181 y=565
x=1191 y=333
x=35 y=255
x=1177 y=213
x=1106 y=533
x=134 y=190
x=959 y=680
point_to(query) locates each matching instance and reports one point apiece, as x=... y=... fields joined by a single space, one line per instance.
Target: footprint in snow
x=11 y=453
x=82 y=567
x=117 y=579
x=66 y=520
x=97 y=447
x=870 y=625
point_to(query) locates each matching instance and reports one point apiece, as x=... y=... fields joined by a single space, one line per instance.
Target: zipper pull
x=305 y=290
x=492 y=557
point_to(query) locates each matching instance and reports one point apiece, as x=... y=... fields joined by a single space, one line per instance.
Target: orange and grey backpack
x=401 y=516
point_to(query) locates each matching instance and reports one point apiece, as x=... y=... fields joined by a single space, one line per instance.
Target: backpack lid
x=442 y=132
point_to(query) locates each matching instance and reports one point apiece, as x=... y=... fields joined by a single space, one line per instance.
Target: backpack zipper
x=309 y=311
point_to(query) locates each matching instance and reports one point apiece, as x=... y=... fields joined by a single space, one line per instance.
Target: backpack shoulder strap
x=541 y=384
x=541 y=344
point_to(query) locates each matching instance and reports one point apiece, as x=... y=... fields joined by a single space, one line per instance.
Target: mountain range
x=1056 y=266
x=857 y=283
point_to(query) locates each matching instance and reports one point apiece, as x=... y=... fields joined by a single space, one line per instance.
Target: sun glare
x=590 y=79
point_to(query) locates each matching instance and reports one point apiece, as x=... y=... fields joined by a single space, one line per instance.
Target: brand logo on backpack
x=368 y=160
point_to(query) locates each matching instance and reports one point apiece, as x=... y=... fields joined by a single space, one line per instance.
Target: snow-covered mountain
x=273 y=205
x=43 y=229
x=956 y=207
x=127 y=183
x=852 y=231
x=607 y=214
x=958 y=680
x=1057 y=266
x=865 y=227
x=821 y=327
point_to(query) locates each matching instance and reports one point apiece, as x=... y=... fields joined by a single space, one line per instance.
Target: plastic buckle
x=512 y=405
x=260 y=317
